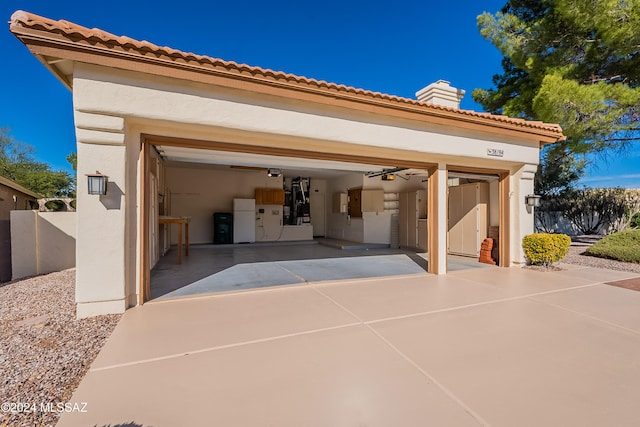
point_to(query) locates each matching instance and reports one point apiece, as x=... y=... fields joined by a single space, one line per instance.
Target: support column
x=522 y=218
x=101 y=227
x=437 y=219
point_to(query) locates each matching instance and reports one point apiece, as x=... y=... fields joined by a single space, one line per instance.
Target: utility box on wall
x=340 y=203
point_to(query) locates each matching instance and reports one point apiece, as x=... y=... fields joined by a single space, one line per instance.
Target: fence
x=42 y=242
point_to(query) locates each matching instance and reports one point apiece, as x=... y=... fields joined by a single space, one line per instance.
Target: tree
x=572 y=62
x=17 y=163
x=72 y=158
x=557 y=172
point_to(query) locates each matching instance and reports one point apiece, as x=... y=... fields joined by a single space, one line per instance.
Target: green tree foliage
x=572 y=62
x=73 y=161
x=72 y=158
x=558 y=170
x=17 y=163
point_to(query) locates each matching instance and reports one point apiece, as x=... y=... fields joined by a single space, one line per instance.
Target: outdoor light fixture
x=532 y=200
x=97 y=183
x=274 y=172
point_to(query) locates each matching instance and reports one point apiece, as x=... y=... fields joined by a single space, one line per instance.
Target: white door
x=153 y=221
x=317 y=206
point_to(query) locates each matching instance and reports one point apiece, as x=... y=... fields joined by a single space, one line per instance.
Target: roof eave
x=40 y=42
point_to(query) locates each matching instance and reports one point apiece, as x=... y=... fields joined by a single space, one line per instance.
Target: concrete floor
x=210 y=268
x=493 y=347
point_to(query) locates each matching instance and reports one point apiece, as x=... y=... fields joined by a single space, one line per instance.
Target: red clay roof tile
x=78 y=33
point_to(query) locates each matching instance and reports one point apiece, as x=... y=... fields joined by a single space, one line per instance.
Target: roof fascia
x=17 y=187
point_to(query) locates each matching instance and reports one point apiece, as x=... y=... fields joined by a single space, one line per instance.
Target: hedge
x=623 y=246
x=545 y=249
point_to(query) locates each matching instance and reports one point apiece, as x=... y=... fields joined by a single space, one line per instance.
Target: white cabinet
x=412 y=219
x=468 y=218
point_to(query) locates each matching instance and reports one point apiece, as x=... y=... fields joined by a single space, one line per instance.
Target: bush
x=73 y=203
x=623 y=246
x=635 y=221
x=56 y=205
x=594 y=210
x=545 y=249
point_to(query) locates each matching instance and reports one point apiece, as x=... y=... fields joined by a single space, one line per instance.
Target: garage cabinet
x=369 y=200
x=468 y=218
x=412 y=219
x=269 y=196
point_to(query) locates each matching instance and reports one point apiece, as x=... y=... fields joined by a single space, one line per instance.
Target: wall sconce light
x=274 y=172
x=97 y=183
x=532 y=200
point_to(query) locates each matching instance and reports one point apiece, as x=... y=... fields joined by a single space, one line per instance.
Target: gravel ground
x=44 y=350
x=580 y=243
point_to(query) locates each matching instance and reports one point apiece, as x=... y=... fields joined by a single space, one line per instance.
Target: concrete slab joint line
x=461 y=307
x=615 y=325
x=429 y=377
x=220 y=347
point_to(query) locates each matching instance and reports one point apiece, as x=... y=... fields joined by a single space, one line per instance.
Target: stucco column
x=522 y=219
x=437 y=207
x=442 y=217
x=101 y=239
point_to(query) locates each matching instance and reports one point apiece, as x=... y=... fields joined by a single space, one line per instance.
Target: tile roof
x=95 y=36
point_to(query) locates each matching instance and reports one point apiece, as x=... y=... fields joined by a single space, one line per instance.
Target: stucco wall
x=199 y=192
x=340 y=226
x=42 y=242
x=522 y=217
x=128 y=94
x=373 y=227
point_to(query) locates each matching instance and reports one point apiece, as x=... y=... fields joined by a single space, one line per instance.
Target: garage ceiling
x=290 y=166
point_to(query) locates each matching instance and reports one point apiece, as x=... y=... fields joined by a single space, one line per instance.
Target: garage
x=352 y=209
x=175 y=134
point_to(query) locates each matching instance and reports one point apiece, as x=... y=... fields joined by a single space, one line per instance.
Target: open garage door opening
x=257 y=220
x=474 y=217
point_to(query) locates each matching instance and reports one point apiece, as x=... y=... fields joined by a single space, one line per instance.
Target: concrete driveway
x=498 y=347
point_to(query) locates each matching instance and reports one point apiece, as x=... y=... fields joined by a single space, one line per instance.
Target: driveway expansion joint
x=407 y=359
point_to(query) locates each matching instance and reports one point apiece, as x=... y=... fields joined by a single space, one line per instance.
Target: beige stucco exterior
x=44 y=242
x=114 y=108
x=124 y=102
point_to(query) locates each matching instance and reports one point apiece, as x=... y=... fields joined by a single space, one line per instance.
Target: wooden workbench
x=180 y=220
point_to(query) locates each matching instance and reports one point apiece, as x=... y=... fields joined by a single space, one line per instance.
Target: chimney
x=441 y=93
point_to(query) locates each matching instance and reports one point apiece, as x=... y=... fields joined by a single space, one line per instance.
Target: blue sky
x=396 y=48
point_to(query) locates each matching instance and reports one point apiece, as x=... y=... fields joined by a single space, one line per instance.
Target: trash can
x=222 y=228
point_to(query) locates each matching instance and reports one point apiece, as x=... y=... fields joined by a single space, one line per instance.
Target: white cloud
x=611 y=177
x=631 y=180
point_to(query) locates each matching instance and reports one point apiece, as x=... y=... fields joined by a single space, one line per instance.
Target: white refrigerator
x=244 y=220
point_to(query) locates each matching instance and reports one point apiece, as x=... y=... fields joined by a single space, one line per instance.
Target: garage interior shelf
x=392 y=202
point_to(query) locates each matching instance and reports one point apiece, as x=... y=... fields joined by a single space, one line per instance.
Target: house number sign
x=494 y=152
